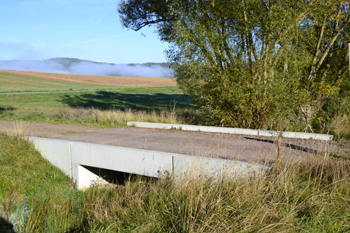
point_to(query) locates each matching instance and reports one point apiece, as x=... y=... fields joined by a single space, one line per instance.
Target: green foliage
x=248 y=63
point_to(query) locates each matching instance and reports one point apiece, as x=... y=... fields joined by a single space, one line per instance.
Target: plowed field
x=11 y=80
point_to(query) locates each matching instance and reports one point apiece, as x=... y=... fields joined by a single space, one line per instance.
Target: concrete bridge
x=86 y=163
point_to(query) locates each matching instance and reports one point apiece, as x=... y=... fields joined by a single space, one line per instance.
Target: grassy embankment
x=97 y=105
x=313 y=196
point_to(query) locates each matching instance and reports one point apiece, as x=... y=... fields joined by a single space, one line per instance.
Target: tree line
x=268 y=64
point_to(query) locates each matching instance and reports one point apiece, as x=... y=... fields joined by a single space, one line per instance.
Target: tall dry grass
x=312 y=196
x=106 y=118
x=340 y=127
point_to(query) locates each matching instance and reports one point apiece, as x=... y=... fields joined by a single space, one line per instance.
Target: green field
x=60 y=107
x=26 y=83
x=82 y=100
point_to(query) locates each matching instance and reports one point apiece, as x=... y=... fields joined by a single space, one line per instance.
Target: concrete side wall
x=185 y=166
x=70 y=157
x=135 y=161
x=84 y=178
x=56 y=151
x=252 y=132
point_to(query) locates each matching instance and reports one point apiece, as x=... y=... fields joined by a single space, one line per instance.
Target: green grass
x=311 y=196
x=68 y=108
x=27 y=83
x=26 y=182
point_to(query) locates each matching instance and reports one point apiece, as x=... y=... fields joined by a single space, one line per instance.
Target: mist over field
x=77 y=66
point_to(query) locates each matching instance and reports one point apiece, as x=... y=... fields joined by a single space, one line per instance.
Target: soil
x=216 y=145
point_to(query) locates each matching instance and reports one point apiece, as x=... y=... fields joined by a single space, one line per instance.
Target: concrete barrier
x=73 y=158
x=251 y=132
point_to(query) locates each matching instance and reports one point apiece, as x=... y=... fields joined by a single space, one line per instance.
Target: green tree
x=252 y=63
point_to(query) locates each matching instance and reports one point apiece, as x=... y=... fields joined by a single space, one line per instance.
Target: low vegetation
x=101 y=109
x=113 y=108
x=312 y=196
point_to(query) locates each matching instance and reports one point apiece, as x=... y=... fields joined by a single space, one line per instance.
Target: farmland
x=19 y=81
x=72 y=99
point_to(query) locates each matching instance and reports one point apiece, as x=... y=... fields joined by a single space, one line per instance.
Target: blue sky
x=85 y=29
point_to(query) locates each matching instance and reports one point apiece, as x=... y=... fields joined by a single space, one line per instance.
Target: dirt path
x=42 y=130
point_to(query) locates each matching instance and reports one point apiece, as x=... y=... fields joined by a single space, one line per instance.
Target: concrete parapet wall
x=185 y=165
x=251 y=132
x=71 y=157
x=129 y=160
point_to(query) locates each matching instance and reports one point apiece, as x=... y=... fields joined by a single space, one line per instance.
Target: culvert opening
x=117 y=177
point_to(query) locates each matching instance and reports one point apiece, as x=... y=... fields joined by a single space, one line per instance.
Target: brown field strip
x=96 y=80
x=20 y=82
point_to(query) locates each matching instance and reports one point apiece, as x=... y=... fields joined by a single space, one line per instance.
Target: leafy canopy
x=253 y=63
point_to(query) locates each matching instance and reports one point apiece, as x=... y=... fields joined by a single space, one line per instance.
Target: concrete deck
x=254 y=149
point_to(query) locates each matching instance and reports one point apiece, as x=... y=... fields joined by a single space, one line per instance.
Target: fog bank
x=76 y=66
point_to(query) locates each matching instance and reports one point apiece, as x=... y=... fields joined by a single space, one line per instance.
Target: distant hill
x=68 y=62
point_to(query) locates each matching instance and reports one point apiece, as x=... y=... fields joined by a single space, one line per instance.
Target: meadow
x=312 y=196
x=77 y=102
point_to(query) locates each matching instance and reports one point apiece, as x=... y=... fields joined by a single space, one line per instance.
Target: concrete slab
x=251 y=132
x=213 y=145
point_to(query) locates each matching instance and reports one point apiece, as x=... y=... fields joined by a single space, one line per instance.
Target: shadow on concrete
x=115 y=177
x=6 y=227
x=112 y=100
x=292 y=146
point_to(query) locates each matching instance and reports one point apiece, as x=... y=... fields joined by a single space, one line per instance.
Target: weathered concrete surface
x=251 y=132
x=215 y=145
